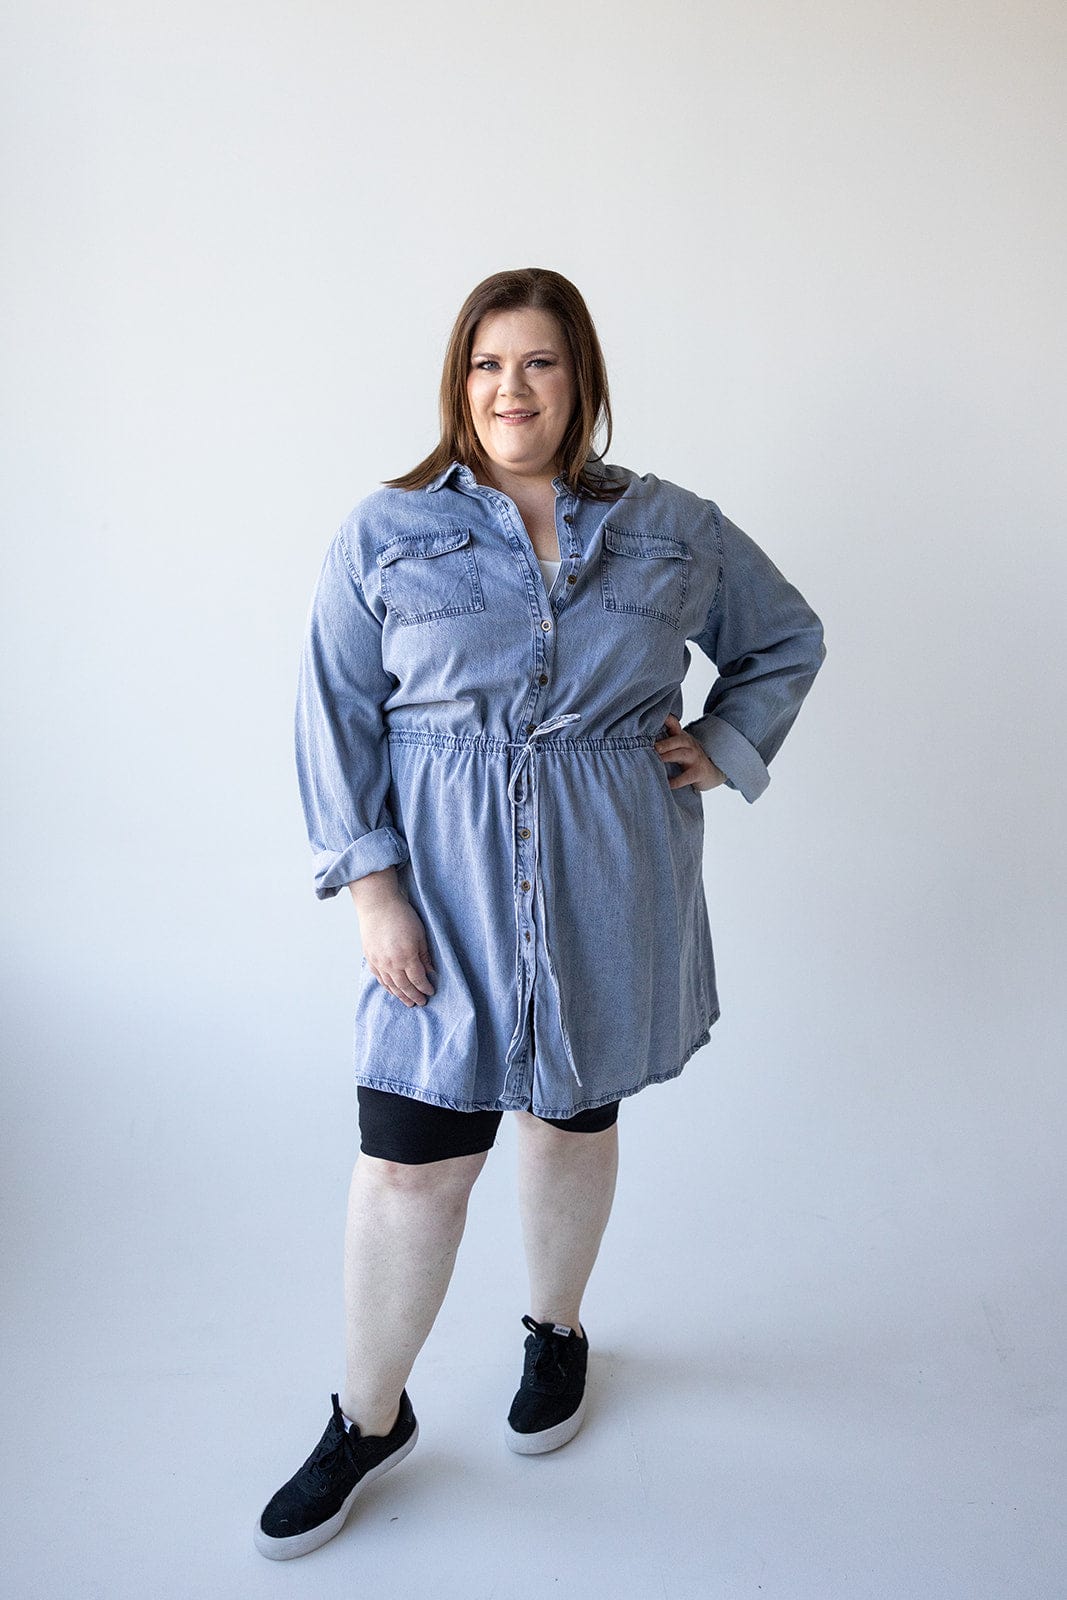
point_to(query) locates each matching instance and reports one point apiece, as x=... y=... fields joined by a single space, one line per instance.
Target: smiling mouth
x=516 y=416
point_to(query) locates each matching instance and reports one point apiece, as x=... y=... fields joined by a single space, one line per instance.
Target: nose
x=513 y=381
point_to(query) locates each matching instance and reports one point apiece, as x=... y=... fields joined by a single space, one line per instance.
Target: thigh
x=396 y=1127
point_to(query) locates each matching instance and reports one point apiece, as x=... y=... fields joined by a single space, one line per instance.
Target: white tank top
x=549 y=570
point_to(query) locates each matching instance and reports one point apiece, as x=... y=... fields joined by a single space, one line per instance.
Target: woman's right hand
x=394 y=939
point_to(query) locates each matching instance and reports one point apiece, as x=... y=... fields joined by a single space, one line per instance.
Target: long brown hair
x=541 y=290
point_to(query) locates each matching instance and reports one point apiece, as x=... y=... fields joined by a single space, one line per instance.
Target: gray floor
x=826 y=1360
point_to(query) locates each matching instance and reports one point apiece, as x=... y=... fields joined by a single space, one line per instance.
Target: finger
x=707 y=776
x=411 y=982
x=401 y=994
x=386 y=982
x=418 y=978
x=390 y=982
x=690 y=763
x=406 y=990
x=686 y=754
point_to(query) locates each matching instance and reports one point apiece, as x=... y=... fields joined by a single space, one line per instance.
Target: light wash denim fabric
x=495 y=745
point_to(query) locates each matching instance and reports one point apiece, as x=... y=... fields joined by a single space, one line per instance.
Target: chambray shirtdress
x=494 y=743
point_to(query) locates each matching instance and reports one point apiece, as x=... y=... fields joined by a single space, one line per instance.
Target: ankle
x=561 y=1322
x=372 y=1422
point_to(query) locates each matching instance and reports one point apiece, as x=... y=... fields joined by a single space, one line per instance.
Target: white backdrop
x=824 y=248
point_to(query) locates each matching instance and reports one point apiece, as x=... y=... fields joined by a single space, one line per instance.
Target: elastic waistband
x=457 y=741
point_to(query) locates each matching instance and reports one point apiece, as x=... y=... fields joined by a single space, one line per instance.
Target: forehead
x=524 y=328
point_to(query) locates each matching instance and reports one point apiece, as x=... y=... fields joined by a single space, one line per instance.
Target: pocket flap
x=646 y=546
x=437 y=543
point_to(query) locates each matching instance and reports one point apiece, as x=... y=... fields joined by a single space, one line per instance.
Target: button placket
x=544 y=638
x=535 y=588
x=522 y=798
x=522 y=792
x=522 y=788
x=570 y=554
x=525 y=834
x=523 y=875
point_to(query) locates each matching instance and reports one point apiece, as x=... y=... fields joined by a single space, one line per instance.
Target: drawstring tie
x=526 y=762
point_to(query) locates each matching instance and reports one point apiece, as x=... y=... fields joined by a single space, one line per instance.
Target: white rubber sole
x=536 y=1444
x=301 y=1544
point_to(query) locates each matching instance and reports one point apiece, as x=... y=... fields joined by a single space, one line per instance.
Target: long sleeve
x=768 y=645
x=342 y=752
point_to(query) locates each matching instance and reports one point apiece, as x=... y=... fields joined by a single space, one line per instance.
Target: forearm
x=375 y=889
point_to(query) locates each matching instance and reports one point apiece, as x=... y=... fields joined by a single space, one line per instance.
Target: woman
x=490 y=758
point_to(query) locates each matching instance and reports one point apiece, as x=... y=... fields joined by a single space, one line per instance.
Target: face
x=521 y=389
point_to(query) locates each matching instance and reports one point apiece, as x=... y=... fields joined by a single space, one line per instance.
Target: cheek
x=474 y=402
x=564 y=406
x=563 y=398
x=479 y=395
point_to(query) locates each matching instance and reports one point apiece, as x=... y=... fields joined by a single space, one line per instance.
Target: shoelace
x=325 y=1464
x=546 y=1354
x=327 y=1458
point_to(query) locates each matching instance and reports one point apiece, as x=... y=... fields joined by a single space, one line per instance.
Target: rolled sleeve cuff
x=382 y=848
x=741 y=762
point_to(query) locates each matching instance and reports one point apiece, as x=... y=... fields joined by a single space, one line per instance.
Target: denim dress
x=495 y=743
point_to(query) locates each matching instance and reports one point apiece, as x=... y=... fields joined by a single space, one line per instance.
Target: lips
x=516 y=416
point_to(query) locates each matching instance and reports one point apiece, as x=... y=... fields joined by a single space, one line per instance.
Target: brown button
x=547 y=626
x=572 y=579
x=524 y=884
x=567 y=517
x=543 y=678
x=527 y=938
x=524 y=833
x=530 y=726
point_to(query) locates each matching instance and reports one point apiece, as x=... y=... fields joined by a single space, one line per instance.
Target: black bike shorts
x=396 y=1127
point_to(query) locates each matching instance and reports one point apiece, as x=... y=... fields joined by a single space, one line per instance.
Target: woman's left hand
x=681 y=747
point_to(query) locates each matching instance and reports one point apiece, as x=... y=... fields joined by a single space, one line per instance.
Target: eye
x=482 y=366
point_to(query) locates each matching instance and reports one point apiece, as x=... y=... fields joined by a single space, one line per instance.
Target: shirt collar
x=443 y=477
x=467 y=478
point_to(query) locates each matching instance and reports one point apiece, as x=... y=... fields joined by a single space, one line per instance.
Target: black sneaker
x=550 y=1403
x=313 y=1505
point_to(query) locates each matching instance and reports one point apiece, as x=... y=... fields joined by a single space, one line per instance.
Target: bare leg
x=566 y=1186
x=403 y=1231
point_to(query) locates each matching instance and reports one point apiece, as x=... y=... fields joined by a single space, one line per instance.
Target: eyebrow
x=477 y=355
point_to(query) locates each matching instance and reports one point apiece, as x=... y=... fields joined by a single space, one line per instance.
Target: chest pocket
x=644 y=574
x=430 y=575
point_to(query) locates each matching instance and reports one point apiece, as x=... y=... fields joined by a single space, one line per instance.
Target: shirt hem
x=394 y=1086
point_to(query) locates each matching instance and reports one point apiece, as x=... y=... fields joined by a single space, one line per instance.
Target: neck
x=521 y=485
